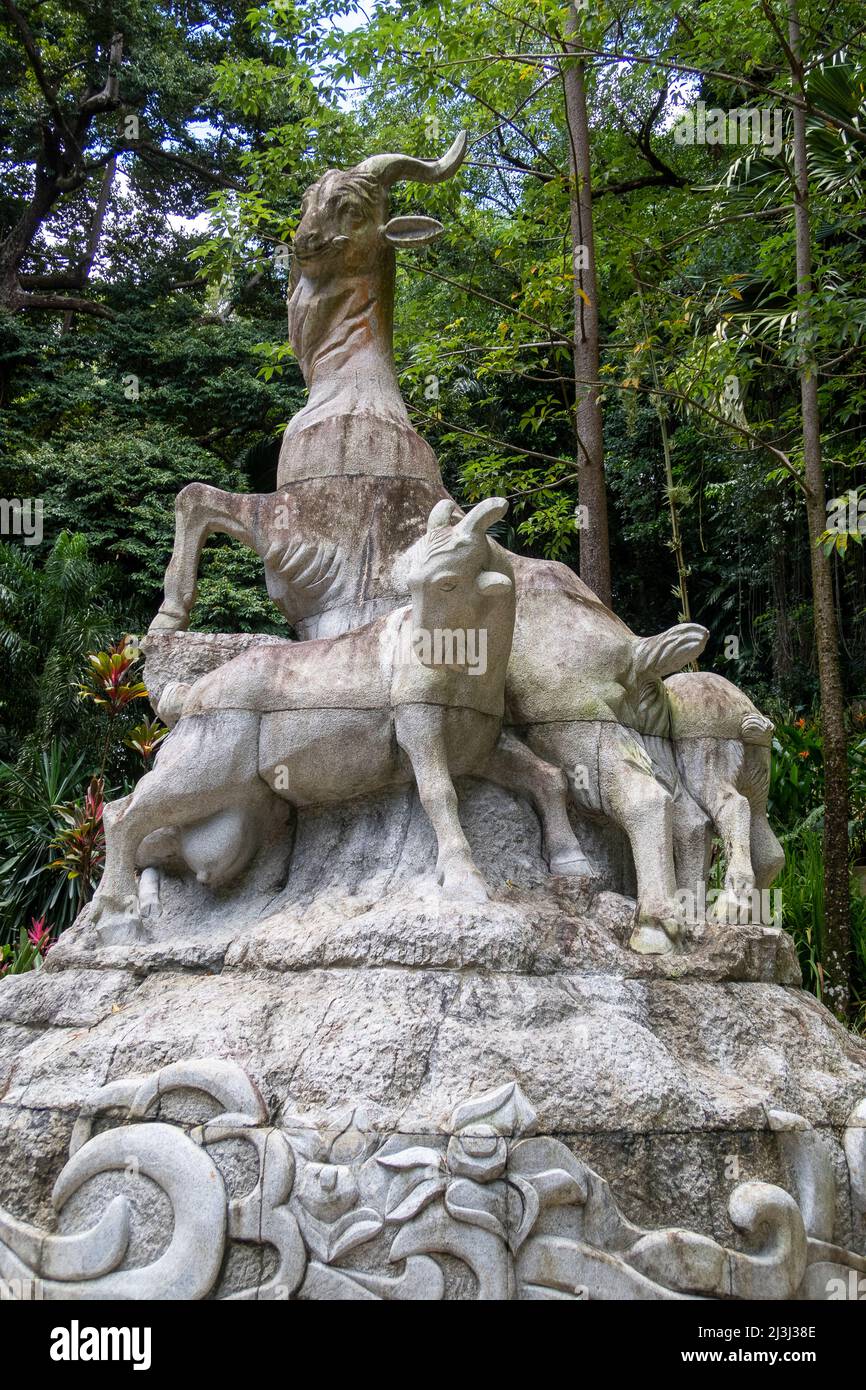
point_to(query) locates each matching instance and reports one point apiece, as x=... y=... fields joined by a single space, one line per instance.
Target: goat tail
x=757 y=728
x=169 y=706
x=669 y=651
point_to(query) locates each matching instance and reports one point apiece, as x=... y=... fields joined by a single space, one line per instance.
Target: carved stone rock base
x=386 y=1094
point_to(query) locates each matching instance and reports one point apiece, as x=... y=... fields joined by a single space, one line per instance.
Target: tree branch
x=54 y=304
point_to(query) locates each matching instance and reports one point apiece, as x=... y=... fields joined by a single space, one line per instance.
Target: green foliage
x=30 y=820
x=801 y=885
x=797 y=775
x=50 y=616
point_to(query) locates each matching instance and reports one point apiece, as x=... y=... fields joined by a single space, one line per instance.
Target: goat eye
x=446 y=586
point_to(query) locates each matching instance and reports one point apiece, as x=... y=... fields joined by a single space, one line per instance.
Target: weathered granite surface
x=354 y=999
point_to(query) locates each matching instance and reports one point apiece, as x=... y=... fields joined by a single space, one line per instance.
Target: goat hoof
x=169 y=622
x=106 y=905
x=731 y=909
x=469 y=886
x=575 y=865
x=658 y=927
x=122 y=931
x=651 y=939
x=116 y=919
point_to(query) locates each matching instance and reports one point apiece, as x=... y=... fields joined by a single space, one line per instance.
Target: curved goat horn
x=441 y=515
x=391 y=168
x=483 y=515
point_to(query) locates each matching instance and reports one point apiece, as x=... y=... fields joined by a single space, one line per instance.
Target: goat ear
x=493 y=585
x=411 y=231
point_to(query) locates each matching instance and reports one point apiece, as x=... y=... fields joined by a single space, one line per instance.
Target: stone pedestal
x=374 y=1091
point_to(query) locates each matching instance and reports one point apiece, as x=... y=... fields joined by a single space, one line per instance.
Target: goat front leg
x=200 y=511
x=420 y=731
x=514 y=766
x=768 y=857
x=632 y=797
x=115 y=906
x=732 y=816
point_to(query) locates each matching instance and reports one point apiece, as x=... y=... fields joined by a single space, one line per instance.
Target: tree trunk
x=19 y=239
x=95 y=234
x=60 y=169
x=836 y=963
x=591 y=492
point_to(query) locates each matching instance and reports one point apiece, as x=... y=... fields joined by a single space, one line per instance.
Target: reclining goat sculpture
x=355 y=481
x=324 y=721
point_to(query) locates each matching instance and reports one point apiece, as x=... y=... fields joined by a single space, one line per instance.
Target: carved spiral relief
x=486 y=1210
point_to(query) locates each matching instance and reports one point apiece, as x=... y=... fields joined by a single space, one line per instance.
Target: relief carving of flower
x=477 y=1152
x=470 y=1177
x=327 y=1191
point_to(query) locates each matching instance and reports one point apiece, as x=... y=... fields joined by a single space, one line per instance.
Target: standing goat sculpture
x=723 y=750
x=322 y=722
x=355 y=481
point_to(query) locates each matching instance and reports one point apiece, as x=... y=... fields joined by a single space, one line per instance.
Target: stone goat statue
x=573 y=693
x=722 y=746
x=668 y=761
x=355 y=481
x=324 y=721
x=356 y=484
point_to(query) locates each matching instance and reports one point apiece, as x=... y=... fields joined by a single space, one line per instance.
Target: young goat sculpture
x=574 y=692
x=323 y=721
x=355 y=481
x=666 y=760
x=723 y=748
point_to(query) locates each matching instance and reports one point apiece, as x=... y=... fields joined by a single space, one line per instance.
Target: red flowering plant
x=797 y=776
x=111 y=683
x=33 y=946
x=82 y=840
x=77 y=837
